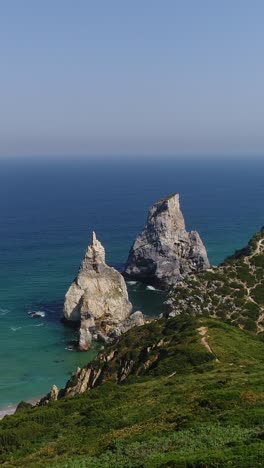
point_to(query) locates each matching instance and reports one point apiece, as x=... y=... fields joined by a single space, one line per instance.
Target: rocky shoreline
x=164 y=253
x=97 y=300
x=10 y=409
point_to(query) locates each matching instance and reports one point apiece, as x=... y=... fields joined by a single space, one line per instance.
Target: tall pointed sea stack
x=98 y=297
x=165 y=252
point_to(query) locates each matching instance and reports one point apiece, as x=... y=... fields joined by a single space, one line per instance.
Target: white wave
x=151 y=288
x=3 y=311
x=69 y=348
x=8 y=410
x=14 y=329
x=132 y=283
x=36 y=314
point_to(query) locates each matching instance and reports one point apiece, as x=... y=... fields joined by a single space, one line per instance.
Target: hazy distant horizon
x=132 y=79
x=200 y=161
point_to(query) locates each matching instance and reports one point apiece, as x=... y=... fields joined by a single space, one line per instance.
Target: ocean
x=48 y=211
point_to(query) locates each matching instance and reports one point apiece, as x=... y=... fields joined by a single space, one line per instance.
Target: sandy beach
x=8 y=410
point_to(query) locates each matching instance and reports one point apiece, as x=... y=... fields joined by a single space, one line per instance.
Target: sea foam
x=3 y=312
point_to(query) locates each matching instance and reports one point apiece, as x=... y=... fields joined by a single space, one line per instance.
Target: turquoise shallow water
x=47 y=213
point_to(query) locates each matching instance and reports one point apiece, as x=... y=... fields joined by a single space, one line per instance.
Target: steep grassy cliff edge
x=190 y=393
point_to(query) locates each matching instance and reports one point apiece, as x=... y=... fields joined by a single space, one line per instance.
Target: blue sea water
x=47 y=213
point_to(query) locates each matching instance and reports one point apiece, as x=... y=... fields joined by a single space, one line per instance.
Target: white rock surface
x=134 y=320
x=165 y=252
x=98 y=297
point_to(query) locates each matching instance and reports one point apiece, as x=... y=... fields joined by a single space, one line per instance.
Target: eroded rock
x=98 y=297
x=134 y=320
x=165 y=252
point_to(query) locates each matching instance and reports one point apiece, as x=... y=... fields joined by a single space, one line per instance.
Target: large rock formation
x=165 y=252
x=97 y=298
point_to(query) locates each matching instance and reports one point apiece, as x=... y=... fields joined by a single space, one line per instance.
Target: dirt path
x=260 y=245
x=204 y=339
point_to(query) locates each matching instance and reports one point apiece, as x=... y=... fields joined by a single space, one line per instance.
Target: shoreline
x=10 y=409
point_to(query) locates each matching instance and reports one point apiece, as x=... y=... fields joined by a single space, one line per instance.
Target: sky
x=131 y=78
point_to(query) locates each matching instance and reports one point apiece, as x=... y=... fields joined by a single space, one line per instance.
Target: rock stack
x=97 y=298
x=165 y=252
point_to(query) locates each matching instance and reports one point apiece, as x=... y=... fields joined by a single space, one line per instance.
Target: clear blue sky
x=139 y=77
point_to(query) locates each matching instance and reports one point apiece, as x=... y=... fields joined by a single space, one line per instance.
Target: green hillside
x=233 y=292
x=190 y=394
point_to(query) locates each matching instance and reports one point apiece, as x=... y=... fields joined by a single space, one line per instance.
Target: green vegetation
x=184 y=391
x=182 y=404
x=233 y=292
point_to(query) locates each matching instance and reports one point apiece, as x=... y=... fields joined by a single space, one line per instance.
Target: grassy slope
x=233 y=292
x=193 y=406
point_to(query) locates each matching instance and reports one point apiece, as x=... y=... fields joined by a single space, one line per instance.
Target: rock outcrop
x=53 y=395
x=134 y=320
x=97 y=298
x=158 y=348
x=165 y=252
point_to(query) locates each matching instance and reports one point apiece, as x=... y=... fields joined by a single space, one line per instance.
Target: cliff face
x=98 y=297
x=164 y=347
x=156 y=349
x=165 y=251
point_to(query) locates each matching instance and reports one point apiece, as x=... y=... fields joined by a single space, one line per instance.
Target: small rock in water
x=69 y=348
x=37 y=314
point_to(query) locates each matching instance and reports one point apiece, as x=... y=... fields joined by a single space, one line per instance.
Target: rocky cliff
x=97 y=298
x=164 y=347
x=164 y=252
x=156 y=348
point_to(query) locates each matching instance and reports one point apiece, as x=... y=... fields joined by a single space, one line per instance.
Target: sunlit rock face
x=98 y=297
x=165 y=252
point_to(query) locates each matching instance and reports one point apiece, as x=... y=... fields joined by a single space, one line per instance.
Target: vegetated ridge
x=233 y=292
